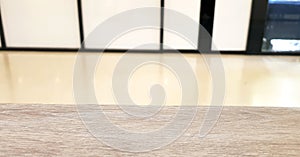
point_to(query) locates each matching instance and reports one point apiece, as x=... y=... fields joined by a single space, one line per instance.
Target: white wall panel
x=190 y=8
x=97 y=11
x=40 y=23
x=231 y=24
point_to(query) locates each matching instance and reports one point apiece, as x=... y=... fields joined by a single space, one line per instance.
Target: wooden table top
x=57 y=130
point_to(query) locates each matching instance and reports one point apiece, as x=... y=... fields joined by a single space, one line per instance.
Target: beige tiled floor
x=47 y=78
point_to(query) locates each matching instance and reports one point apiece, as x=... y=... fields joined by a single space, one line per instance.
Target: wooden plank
x=56 y=130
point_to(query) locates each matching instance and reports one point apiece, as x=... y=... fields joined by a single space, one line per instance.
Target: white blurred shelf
x=41 y=23
x=231 y=24
x=95 y=12
x=190 y=8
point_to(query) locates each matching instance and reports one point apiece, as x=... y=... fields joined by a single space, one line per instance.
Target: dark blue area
x=283 y=21
x=294 y=2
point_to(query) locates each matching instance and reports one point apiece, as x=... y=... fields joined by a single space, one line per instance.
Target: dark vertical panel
x=162 y=12
x=2 y=35
x=207 y=13
x=80 y=20
x=257 y=26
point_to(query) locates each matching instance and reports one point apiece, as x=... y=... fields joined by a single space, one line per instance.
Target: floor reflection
x=47 y=78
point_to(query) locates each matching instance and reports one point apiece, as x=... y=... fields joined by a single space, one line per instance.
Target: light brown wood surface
x=56 y=130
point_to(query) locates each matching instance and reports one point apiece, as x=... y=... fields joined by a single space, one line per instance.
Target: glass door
x=282 y=30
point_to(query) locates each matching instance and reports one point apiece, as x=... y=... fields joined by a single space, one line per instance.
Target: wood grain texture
x=56 y=130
